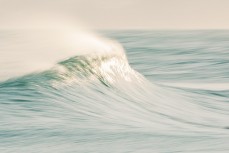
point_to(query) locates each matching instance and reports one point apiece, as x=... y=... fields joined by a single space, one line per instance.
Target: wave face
x=96 y=101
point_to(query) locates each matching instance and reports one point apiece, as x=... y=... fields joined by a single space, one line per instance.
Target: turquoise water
x=165 y=92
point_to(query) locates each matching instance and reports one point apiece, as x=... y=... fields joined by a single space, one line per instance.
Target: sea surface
x=152 y=92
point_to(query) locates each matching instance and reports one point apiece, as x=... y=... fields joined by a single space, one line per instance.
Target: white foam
x=202 y=86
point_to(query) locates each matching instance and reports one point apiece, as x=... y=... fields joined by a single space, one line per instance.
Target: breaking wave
x=95 y=102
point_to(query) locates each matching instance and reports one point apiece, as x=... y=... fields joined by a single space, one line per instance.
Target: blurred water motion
x=171 y=95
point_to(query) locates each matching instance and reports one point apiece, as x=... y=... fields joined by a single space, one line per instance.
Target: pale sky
x=123 y=14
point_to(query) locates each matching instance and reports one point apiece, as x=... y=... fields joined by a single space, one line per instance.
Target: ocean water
x=162 y=92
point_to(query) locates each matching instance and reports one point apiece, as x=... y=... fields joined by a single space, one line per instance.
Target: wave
x=93 y=97
x=137 y=99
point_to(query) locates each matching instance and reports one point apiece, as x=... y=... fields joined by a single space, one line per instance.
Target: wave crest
x=107 y=68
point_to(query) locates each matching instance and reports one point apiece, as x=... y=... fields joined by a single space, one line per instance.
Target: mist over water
x=74 y=91
x=30 y=50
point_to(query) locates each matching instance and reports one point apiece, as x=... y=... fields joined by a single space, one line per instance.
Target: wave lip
x=108 y=68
